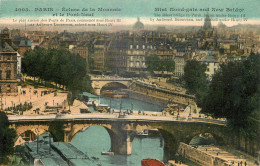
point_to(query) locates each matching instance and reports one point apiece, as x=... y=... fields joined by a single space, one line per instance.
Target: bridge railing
x=210 y=120
x=109 y=78
x=111 y=117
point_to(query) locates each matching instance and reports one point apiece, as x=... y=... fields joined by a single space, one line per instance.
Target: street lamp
x=36 y=130
x=50 y=142
x=1 y=102
x=30 y=93
x=19 y=94
x=57 y=107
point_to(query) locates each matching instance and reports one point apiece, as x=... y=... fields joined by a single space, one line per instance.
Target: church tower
x=207 y=23
x=207 y=30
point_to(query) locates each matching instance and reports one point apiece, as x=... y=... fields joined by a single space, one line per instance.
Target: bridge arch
x=170 y=143
x=82 y=129
x=112 y=135
x=113 y=86
x=26 y=136
x=97 y=85
x=76 y=128
x=210 y=138
x=35 y=131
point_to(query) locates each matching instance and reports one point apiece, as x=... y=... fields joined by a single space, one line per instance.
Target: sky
x=130 y=9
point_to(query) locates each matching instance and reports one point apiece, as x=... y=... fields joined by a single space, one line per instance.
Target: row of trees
x=59 y=66
x=233 y=93
x=154 y=63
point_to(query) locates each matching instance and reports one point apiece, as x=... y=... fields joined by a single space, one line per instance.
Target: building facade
x=8 y=66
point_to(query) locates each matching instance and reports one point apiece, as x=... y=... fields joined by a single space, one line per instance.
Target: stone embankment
x=209 y=155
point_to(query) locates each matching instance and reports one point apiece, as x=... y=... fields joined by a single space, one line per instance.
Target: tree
x=59 y=66
x=234 y=94
x=169 y=65
x=153 y=62
x=195 y=79
x=7 y=138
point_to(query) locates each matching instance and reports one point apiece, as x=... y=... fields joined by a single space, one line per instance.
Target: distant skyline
x=129 y=10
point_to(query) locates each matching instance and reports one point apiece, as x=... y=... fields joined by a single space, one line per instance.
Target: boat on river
x=152 y=162
x=107 y=153
x=143 y=133
x=115 y=94
x=91 y=102
x=101 y=107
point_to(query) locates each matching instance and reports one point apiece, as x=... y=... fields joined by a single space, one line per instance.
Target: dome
x=221 y=25
x=138 y=25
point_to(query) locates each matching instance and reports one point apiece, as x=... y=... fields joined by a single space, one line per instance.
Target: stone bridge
x=98 y=82
x=122 y=131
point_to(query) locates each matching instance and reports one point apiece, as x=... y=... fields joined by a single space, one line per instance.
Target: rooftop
x=5 y=47
x=208 y=58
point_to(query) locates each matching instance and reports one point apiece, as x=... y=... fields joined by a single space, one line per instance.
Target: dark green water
x=95 y=140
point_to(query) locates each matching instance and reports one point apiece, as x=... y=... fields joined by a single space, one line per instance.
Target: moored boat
x=101 y=107
x=107 y=153
x=152 y=162
x=91 y=102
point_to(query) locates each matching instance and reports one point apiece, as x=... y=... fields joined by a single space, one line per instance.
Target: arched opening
x=170 y=144
x=93 y=140
x=163 y=143
x=147 y=144
x=112 y=87
x=26 y=136
x=203 y=139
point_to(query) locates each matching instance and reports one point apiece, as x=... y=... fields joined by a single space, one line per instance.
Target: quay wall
x=145 y=98
x=200 y=157
x=158 y=95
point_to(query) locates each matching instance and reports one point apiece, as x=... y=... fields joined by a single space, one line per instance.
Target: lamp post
x=49 y=143
x=1 y=102
x=19 y=95
x=30 y=94
x=36 y=130
x=57 y=107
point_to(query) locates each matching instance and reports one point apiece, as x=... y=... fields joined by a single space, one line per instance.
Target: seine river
x=96 y=139
x=126 y=103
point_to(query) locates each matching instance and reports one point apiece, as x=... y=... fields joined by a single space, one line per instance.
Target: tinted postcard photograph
x=130 y=82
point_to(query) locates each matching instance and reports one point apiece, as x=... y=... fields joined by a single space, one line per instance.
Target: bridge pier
x=96 y=91
x=122 y=143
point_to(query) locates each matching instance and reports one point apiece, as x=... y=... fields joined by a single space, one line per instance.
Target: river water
x=96 y=139
x=126 y=103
